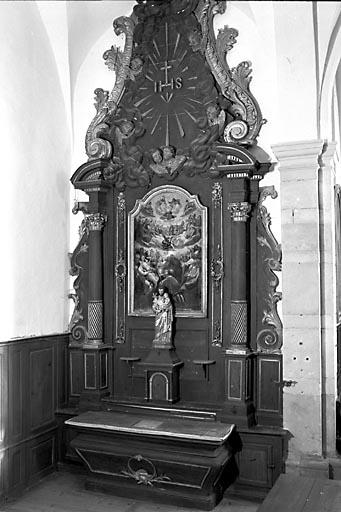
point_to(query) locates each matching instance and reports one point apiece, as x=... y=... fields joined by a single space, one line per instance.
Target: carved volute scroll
x=167 y=108
x=269 y=336
x=234 y=83
x=105 y=103
x=79 y=268
x=172 y=178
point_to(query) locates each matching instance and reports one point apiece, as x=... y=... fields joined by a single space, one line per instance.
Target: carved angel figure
x=166 y=162
x=215 y=115
x=163 y=309
x=135 y=68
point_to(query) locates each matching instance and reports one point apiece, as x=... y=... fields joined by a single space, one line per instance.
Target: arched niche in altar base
x=225 y=357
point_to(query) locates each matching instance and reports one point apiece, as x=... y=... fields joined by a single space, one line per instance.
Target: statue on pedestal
x=162 y=364
x=163 y=309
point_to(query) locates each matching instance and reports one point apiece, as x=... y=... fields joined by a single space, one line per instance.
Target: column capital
x=298 y=154
x=239 y=211
x=96 y=221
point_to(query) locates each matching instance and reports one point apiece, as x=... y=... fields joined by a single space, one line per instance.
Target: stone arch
x=332 y=61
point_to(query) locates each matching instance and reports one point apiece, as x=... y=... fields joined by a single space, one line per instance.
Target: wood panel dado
x=33 y=386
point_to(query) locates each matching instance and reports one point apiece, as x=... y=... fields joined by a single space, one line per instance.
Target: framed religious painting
x=167 y=232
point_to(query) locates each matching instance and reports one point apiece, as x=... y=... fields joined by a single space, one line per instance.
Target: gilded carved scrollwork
x=217 y=192
x=120 y=272
x=217 y=264
x=95 y=146
x=217 y=340
x=122 y=25
x=275 y=262
x=234 y=82
x=106 y=104
x=217 y=267
x=143 y=471
x=235 y=131
x=126 y=117
x=120 y=269
x=78 y=269
x=269 y=337
x=121 y=207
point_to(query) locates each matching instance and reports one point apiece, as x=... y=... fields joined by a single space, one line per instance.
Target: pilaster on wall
x=309 y=323
x=327 y=180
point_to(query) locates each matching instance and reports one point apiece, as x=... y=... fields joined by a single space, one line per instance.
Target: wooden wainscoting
x=33 y=385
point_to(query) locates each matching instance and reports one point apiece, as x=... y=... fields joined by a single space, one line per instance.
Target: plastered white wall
x=91 y=74
x=35 y=168
x=51 y=58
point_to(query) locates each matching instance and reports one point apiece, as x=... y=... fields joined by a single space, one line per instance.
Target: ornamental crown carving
x=173 y=89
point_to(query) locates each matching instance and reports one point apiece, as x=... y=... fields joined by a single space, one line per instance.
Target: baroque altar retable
x=173 y=176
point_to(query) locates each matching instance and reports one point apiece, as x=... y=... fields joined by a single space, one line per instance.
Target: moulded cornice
x=300 y=155
x=329 y=151
x=90 y=173
x=298 y=149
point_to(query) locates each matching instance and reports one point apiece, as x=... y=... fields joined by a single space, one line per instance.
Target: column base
x=91 y=400
x=96 y=376
x=238 y=407
x=309 y=466
x=241 y=414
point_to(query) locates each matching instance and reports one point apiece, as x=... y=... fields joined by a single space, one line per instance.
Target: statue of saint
x=163 y=309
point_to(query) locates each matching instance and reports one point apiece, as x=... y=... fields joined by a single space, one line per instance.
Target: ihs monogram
x=167 y=98
x=175 y=83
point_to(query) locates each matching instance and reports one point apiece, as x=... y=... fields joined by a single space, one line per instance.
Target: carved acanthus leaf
x=78 y=269
x=106 y=104
x=95 y=146
x=274 y=262
x=122 y=25
x=269 y=338
x=226 y=38
x=113 y=58
x=234 y=83
x=241 y=74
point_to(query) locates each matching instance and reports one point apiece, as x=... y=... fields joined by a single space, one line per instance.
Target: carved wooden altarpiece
x=173 y=176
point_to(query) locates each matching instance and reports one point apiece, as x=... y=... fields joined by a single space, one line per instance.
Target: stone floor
x=64 y=492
